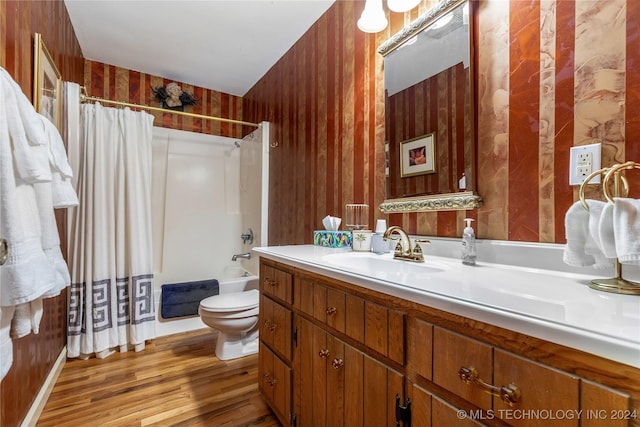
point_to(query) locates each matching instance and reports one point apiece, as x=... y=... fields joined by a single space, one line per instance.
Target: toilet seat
x=236 y=301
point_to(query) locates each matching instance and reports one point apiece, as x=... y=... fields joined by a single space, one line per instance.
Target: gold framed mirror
x=429 y=90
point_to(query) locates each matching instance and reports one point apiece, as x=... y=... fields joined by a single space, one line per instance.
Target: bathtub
x=233 y=280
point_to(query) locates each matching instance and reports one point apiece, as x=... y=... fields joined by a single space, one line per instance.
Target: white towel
x=576 y=225
x=594 y=243
x=606 y=234
x=6 y=345
x=27 y=267
x=582 y=249
x=626 y=227
x=28 y=140
x=63 y=194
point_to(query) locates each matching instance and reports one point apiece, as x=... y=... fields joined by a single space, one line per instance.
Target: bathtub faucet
x=245 y=256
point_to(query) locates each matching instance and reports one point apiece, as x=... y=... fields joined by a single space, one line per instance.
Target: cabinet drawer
x=542 y=388
x=276 y=283
x=451 y=352
x=274 y=382
x=275 y=326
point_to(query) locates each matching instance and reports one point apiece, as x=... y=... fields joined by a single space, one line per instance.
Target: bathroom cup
x=361 y=240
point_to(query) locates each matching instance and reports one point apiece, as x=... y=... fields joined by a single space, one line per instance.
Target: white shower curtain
x=111 y=302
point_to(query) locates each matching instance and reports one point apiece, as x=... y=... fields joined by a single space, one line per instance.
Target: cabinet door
x=338 y=385
x=546 y=392
x=275 y=383
x=275 y=327
x=310 y=374
x=420 y=405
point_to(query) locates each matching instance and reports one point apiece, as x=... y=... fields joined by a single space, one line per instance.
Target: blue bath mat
x=183 y=299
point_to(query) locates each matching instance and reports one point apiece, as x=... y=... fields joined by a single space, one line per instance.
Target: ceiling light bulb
x=372 y=19
x=402 y=5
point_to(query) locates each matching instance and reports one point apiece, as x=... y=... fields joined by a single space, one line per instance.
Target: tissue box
x=332 y=239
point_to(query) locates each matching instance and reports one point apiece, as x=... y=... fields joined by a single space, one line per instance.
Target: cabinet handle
x=331 y=311
x=269 y=380
x=270 y=325
x=269 y=282
x=337 y=363
x=510 y=393
x=323 y=353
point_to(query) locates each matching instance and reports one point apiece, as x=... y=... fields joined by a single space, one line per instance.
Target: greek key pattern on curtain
x=102 y=317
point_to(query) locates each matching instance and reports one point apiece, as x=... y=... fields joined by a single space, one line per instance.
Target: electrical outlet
x=583 y=161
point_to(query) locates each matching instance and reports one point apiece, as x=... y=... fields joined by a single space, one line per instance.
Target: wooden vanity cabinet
x=275 y=374
x=338 y=385
x=342 y=353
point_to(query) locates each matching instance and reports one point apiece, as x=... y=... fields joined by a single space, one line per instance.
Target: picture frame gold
x=417 y=156
x=47 y=82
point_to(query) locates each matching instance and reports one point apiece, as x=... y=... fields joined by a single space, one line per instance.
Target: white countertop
x=555 y=306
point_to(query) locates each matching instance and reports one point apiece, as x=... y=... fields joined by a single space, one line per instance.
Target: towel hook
x=605 y=172
x=614 y=171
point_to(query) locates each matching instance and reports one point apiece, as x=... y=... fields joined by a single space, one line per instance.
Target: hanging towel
x=576 y=225
x=582 y=250
x=28 y=140
x=606 y=234
x=626 y=227
x=594 y=243
x=63 y=194
x=6 y=345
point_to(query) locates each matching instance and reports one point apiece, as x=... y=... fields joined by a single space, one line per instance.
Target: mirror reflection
x=428 y=105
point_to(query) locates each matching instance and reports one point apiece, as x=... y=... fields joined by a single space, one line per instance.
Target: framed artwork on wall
x=47 y=82
x=417 y=156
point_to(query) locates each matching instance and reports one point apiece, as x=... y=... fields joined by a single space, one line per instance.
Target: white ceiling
x=224 y=45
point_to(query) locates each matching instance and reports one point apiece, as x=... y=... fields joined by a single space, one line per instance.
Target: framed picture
x=47 y=82
x=417 y=156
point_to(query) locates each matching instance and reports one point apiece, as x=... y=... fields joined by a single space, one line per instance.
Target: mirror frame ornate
x=440 y=202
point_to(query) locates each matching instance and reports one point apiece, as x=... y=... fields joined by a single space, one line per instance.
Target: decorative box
x=332 y=239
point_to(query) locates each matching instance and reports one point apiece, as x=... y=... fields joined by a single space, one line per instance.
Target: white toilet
x=235 y=317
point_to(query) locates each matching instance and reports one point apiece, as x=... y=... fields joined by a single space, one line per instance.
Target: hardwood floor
x=175 y=381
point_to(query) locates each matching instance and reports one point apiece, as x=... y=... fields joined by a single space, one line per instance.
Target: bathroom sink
x=383 y=266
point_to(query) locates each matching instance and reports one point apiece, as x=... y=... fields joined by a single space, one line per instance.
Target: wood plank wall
x=34 y=355
x=325 y=100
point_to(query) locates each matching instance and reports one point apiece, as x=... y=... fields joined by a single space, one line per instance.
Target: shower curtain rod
x=86 y=98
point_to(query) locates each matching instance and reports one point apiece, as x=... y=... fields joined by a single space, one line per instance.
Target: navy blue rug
x=183 y=299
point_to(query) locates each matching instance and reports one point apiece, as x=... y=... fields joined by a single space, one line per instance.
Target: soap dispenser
x=468 y=244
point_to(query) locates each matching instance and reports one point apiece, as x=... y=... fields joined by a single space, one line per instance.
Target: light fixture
x=402 y=5
x=373 y=18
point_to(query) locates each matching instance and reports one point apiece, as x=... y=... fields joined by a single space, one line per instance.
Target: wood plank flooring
x=175 y=381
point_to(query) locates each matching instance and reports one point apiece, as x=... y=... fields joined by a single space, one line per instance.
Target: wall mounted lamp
x=373 y=18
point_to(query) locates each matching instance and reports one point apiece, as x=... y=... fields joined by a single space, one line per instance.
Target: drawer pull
x=270 y=325
x=269 y=282
x=269 y=379
x=510 y=393
x=331 y=311
x=323 y=353
x=337 y=363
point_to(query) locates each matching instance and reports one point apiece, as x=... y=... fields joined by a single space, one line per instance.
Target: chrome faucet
x=403 y=250
x=245 y=256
